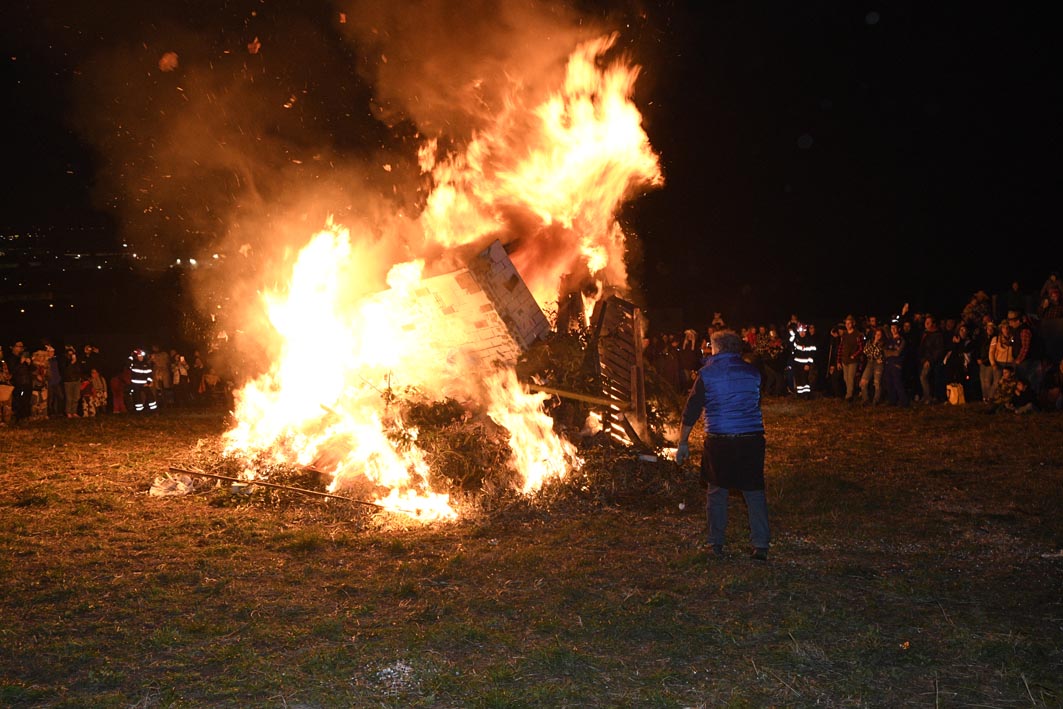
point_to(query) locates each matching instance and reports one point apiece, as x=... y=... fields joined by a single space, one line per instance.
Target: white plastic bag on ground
x=172 y=485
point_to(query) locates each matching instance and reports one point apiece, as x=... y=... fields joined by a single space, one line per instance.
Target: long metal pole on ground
x=175 y=469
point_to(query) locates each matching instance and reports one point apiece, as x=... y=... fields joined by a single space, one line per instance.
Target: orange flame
x=553 y=176
x=537 y=453
x=570 y=163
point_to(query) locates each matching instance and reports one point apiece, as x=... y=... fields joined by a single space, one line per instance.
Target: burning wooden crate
x=485 y=309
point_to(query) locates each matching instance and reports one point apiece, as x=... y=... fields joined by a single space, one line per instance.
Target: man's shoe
x=759 y=555
x=714 y=551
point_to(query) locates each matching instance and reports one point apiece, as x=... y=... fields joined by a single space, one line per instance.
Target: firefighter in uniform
x=804 y=361
x=141 y=384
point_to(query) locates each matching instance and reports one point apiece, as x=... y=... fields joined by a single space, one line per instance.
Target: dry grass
x=915 y=563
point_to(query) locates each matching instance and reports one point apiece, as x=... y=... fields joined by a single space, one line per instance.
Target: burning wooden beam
x=614 y=404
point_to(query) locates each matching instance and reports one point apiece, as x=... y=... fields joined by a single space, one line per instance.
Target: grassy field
x=916 y=562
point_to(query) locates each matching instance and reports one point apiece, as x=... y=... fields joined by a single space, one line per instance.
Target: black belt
x=751 y=434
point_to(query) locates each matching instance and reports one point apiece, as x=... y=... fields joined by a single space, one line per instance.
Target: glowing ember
x=168 y=61
x=552 y=176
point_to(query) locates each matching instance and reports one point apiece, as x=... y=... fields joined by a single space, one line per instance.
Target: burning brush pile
x=436 y=384
x=465 y=452
x=468 y=458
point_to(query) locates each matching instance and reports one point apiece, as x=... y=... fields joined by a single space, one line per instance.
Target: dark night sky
x=819 y=157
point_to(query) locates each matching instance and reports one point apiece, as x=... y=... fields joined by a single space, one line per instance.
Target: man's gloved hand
x=682 y=453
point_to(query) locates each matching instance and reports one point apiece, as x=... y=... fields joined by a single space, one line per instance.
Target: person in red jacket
x=120 y=384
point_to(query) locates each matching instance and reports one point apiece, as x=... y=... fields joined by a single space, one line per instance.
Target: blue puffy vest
x=732 y=395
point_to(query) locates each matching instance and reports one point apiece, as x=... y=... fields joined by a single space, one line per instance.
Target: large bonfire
x=562 y=169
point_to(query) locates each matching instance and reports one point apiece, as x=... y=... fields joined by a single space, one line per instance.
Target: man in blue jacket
x=727 y=390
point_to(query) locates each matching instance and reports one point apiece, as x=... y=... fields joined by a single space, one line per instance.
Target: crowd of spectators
x=69 y=381
x=1006 y=353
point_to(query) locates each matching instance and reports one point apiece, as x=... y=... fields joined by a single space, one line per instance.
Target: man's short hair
x=726 y=341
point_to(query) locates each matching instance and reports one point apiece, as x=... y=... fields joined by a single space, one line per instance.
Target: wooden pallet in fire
x=617 y=330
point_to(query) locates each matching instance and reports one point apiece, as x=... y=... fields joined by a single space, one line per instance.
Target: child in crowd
x=1005 y=390
x=1024 y=400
